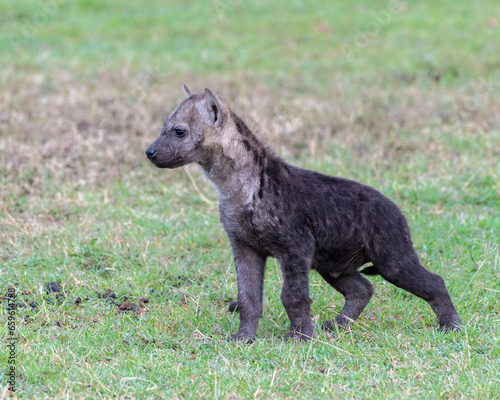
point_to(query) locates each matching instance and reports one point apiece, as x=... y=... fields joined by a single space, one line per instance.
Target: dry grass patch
x=87 y=129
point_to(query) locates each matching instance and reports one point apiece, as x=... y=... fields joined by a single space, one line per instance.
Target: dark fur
x=305 y=219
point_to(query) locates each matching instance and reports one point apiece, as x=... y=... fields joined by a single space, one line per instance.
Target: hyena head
x=188 y=131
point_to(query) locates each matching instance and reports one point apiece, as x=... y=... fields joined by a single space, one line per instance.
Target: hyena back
x=304 y=219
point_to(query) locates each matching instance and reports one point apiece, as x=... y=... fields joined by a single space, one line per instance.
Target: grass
x=296 y=44
x=414 y=113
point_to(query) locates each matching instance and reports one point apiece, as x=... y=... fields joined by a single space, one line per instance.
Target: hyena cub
x=304 y=219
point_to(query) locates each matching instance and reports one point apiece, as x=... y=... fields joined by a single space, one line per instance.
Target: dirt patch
x=127 y=306
x=123 y=303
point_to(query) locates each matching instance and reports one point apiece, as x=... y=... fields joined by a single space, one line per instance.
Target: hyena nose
x=151 y=153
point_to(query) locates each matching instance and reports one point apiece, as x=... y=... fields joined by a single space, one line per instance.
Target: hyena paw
x=240 y=339
x=338 y=323
x=304 y=333
x=448 y=327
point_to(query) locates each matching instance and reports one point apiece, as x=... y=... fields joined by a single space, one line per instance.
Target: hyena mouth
x=173 y=163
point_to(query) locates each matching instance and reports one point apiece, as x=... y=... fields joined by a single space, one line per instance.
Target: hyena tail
x=371 y=270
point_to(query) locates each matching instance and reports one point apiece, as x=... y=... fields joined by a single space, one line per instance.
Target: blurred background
x=87 y=81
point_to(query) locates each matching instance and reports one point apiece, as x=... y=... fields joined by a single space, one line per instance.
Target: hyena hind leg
x=357 y=291
x=411 y=276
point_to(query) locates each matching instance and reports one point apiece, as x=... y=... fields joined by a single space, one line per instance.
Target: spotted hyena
x=306 y=220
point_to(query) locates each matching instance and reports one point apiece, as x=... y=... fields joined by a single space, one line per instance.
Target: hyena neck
x=236 y=162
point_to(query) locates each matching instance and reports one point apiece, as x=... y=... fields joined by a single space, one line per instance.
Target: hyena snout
x=151 y=153
x=164 y=156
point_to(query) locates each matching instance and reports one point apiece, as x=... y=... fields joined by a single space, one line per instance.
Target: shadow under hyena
x=306 y=220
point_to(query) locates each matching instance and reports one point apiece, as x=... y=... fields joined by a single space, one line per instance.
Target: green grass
x=413 y=113
x=308 y=42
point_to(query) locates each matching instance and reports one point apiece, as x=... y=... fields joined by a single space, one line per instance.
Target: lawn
x=400 y=96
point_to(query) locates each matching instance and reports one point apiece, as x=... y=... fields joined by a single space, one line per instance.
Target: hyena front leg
x=250 y=268
x=295 y=295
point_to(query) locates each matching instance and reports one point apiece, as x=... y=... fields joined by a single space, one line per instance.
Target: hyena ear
x=216 y=108
x=186 y=90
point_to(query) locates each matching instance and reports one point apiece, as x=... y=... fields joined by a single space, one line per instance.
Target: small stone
x=233 y=307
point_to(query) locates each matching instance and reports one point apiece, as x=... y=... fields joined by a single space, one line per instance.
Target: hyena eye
x=180 y=133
